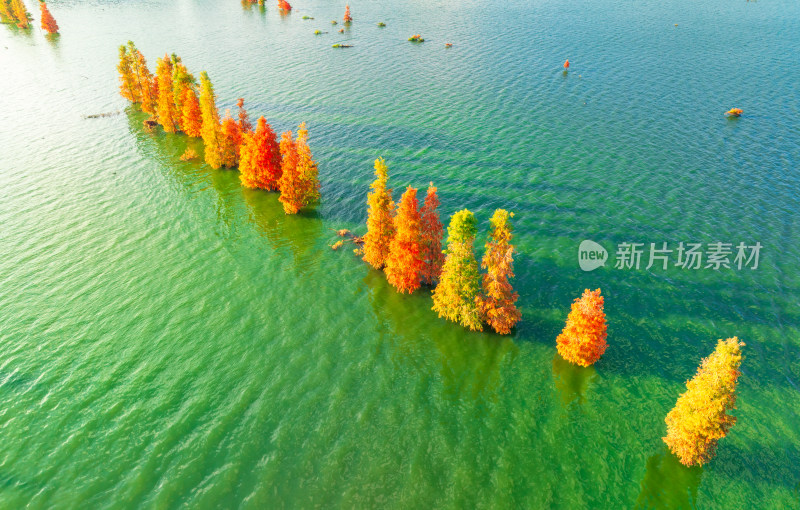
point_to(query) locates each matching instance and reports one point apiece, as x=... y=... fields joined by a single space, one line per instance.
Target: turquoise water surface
x=169 y=338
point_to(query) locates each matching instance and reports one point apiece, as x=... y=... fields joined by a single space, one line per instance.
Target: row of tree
x=14 y=11
x=177 y=102
x=406 y=242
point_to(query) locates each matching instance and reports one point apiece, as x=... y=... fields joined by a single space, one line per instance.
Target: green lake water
x=170 y=339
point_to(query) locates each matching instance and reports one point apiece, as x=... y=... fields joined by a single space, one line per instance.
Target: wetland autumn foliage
x=179 y=103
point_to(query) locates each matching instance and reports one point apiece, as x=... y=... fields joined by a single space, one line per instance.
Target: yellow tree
x=431 y=231
x=21 y=14
x=583 y=339
x=497 y=302
x=165 y=109
x=700 y=417
x=182 y=80
x=404 y=262
x=456 y=297
x=127 y=80
x=380 y=225
x=211 y=127
x=143 y=80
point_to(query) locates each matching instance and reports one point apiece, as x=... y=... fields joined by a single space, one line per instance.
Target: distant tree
x=299 y=182
x=583 y=340
x=431 y=232
x=230 y=141
x=456 y=296
x=260 y=158
x=191 y=118
x=284 y=5
x=700 y=417
x=347 y=17
x=404 y=262
x=211 y=126
x=380 y=225
x=244 y=119
x=48 y=21
x=165 y=109
x=497 y=301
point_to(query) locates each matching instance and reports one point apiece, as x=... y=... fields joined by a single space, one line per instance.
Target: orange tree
x=48 y=21
x=583 y=339
x=431 y=231
x=497 y=302
x=404 y=262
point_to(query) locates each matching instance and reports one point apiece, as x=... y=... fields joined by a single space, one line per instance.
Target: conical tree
x=211 y=127
x=182 y=80
x=404 y=262
x=307 y=168
x=230 y=141
x=700 y=417
x=165 y=109
x=380 y=225
x=191 y=118
x=21 y=14
x=145 y=83
x=299 y=182
x=48 y=21
x=583 y=339
x=456 y=296
x=127 y=80
x=244 y=118
x=347 y=17
x=289 y=183
x=260 y=158
x=497 y=302
x=431 y=232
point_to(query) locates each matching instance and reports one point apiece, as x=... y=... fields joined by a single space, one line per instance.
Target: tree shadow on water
x=668 y=484
x=571 y=381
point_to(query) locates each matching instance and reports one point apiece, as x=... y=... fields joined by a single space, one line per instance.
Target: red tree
x=260 y=161
x=431 y=232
